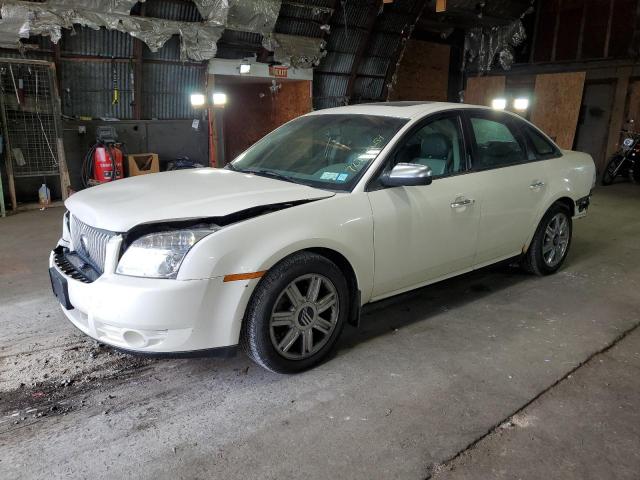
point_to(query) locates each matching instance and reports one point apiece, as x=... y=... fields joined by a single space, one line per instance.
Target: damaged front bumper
x=151 y=315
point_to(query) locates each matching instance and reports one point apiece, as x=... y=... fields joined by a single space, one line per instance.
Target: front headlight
x=159 y=255
x=66 y=236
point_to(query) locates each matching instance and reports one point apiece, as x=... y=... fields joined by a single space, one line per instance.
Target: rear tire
x=551 y=242
x=296 y=314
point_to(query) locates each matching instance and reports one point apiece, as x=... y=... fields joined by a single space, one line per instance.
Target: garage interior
x=493 y=374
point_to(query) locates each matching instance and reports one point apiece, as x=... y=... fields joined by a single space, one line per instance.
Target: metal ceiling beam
x=374 y=9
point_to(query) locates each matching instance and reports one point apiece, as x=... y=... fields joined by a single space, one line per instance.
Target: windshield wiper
x=270 y=174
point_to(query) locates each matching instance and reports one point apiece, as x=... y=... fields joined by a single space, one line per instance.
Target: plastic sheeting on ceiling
x=22 y=19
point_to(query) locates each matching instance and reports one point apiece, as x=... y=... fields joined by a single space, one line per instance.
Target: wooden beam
x=8 y=156
x=536 y=26
x=556 y=29
x=416 y=12
x=362 y=47
x=137 y=71
x=581 y=34
x=607 y=40
x=211 y=121
x=618 y=111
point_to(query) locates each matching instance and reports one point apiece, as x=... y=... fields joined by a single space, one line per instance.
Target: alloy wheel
x=556 y=239
x=304 y=316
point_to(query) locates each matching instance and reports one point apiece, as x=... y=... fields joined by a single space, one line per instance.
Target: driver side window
x=438 y=145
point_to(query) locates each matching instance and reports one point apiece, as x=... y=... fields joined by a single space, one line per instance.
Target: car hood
x=180 y=195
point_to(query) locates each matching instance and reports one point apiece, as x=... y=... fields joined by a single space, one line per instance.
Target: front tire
x=609 y=174
x=296 y=314
x=550 y=243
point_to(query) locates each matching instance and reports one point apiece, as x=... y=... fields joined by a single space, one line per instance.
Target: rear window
x=542 y=148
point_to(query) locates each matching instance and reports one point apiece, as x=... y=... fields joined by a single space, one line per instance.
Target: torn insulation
x=21 y=19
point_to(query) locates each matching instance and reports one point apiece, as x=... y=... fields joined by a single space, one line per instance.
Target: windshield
x=325 y=151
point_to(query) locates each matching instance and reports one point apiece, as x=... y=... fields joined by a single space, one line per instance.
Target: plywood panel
x=423 y=73
x=556 y=105
x=252 y=111
x=481 y=90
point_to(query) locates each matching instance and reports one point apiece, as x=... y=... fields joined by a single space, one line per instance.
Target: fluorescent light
x=197 y=99
x=245 y=68
x=219 y=98
x=521 y=104
x=499 y=103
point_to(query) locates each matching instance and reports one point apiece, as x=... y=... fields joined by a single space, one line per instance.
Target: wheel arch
x=347 y=269
x=564 y=200
x=567 y=202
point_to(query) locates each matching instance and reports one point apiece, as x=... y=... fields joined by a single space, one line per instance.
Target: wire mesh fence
x=31 y=113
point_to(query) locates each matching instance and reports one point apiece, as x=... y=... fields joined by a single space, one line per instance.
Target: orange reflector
x=234 y=277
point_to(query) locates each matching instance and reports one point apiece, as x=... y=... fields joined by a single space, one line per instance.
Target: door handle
x=462 y=202
x=537 y=184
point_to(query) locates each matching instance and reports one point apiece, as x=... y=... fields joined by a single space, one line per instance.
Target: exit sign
x=278 y=71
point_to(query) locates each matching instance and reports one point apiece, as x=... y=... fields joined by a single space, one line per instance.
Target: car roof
x=407 y=110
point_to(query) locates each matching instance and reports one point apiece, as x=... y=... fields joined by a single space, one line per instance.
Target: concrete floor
x=495 y=374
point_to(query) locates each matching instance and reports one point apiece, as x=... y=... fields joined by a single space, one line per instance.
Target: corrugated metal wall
x=91 y=62
x=167 y=87
x=379 y=42
x=87 y=89
x=354 y=42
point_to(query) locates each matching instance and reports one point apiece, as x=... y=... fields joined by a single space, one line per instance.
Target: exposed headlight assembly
x=159 y=255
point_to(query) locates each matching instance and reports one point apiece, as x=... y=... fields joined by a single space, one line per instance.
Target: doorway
x=257 y=106
x=593 y=123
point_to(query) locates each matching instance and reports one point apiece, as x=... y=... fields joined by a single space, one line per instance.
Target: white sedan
x=333 y=210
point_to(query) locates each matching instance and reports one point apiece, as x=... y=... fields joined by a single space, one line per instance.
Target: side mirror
x=407 y=175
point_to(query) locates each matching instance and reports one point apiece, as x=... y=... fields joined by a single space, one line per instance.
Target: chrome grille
x=89 y=242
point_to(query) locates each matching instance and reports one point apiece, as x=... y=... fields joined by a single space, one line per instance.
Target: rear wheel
x=551 y=242
x=296 y=314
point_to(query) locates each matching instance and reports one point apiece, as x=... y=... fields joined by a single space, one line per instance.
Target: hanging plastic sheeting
x=213 y=11
x=258 y=16
x=483 y=45
x=106 y=6
x=22 y=19
x=295 y=51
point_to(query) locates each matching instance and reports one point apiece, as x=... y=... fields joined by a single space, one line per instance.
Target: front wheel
x=550 y=243
x=612 y=170
x=296 y=314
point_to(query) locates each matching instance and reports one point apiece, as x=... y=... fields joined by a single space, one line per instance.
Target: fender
x=342 y=223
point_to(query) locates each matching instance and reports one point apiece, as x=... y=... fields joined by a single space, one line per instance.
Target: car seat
x=434 y=153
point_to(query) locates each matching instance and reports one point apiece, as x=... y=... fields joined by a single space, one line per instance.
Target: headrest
x=435 y=145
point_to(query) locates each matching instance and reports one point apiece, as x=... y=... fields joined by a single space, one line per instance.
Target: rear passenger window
x=542 y=148
x=497 y=145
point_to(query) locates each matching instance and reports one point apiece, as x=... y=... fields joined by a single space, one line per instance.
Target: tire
x=289 y=335
x=607 y=176
x=554 y=231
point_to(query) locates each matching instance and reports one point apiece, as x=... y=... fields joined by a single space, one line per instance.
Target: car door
x=513 y=185
x=424 y=233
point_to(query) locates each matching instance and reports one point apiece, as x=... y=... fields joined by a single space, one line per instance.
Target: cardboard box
x=143 y=163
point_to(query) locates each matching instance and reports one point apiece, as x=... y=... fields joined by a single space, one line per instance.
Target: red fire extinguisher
x=104 y=161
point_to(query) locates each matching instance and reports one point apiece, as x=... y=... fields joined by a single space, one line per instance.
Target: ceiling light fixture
x=197 y=99
x=521 y=104
x=499 y=103
x=219 y=99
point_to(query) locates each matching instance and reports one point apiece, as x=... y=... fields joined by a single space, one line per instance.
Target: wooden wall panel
x=633 y=105
x=556 y=105
x=481 y=90
x=423 y=73
x=252 y=111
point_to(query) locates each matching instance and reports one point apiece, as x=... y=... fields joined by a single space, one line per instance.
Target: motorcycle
x=626 y=161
